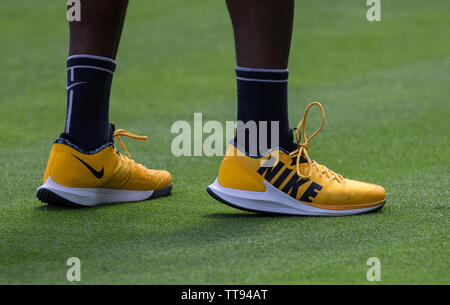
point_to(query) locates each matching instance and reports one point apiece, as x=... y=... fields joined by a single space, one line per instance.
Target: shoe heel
x=51 y=198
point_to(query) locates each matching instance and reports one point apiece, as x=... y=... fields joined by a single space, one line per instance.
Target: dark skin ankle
x=98 y=32
x=262 y=32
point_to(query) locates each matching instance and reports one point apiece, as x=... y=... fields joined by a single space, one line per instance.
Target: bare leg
x=262 y=32
x=100 y=28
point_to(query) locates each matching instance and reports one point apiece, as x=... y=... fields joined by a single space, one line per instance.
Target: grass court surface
x=385 y=89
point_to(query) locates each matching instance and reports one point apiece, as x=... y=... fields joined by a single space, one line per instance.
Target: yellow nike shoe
x=291 y=183
x=103 y=176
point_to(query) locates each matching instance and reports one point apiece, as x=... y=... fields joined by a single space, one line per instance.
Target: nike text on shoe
x=291 y=183
x=77 y=178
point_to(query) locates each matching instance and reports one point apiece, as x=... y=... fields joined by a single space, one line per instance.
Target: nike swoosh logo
x=97 y=174
x=75 y=84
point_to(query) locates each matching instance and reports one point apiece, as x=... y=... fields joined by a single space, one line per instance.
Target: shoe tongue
x=302 y=160
x=291 y=146
x=112 y=128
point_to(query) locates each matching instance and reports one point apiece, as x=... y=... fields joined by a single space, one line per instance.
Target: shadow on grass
x=131 y=234
x=248 y=215
x=75 y=207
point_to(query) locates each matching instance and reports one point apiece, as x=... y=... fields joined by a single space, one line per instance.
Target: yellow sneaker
x=291 y=183
x=103 y=176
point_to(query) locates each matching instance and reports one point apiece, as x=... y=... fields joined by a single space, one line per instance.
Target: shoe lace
x=302 y=148
x=120 y=132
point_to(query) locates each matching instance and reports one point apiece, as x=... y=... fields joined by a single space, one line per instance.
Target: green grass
x=385 y=89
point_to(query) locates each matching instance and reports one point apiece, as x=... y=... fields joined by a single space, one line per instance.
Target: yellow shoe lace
x=302 y=148
x=120 y=132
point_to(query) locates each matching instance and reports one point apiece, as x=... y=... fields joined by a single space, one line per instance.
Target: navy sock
x=89 y=81
x=262 y=97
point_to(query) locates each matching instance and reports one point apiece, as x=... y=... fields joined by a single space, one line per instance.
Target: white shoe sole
x=54 y=193
x=274 y=201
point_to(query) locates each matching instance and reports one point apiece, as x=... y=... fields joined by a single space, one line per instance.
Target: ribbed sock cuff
x=262 y=75
x=91 y=61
